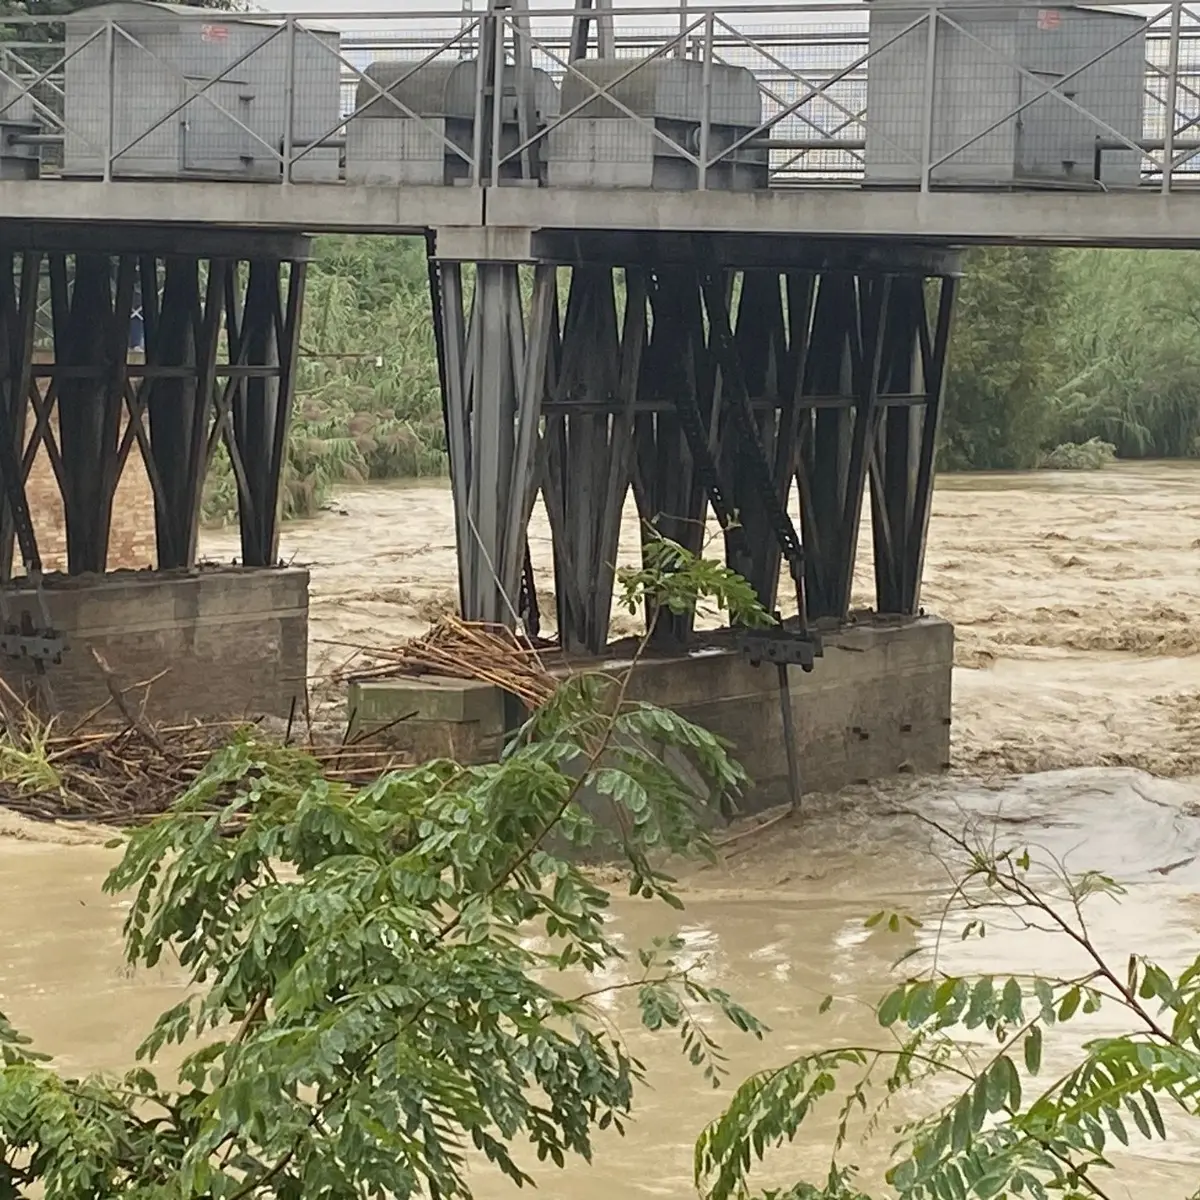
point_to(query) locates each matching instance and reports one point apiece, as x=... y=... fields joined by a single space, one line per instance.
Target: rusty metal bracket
x=22 y=639
x=779 y=645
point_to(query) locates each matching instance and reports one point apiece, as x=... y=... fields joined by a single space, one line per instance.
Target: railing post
x=1172 y=95
x=497 y=95
x=681 y=45
x=931 y=31
x=110 y=116
x=477 y=142
x=289 y=90
x=706 y=91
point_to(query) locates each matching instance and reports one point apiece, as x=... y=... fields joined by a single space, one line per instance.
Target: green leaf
x=1151 y=1103
x=1033 y=1050
x=1069 y=1004
x=889 y=1010
x=1117 y=1126
x=1010 y=1005
x=1139 y=1118
x=980 y=1006
x=979 y=1103
x=963 y=1126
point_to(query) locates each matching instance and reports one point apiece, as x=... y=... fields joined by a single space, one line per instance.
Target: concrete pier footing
x=232 y=642
x=877 y=704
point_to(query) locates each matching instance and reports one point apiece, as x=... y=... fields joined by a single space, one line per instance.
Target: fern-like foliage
x=1014 y=1128
x=368 y=1008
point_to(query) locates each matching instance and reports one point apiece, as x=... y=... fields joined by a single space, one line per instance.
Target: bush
x=1128 y=352
x=1000 y=362
x=367 y=1005
x=1079 y=456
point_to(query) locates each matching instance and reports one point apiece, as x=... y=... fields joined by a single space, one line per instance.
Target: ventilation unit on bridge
x=236 y=127
x=632 y=135
x=993 y=122
x=410 y=119
x=22 y=134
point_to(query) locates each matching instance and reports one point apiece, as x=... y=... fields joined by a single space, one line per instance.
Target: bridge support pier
x=220 y=313
x=221 y=321
x=620 y=363
x=221 y=324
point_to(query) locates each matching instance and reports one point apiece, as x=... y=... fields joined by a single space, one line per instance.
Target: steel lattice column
x=19 y=280
x=676 y=362
x=263 y=331
x=494 y=379
x=589 y=447
x=912 y=379
x=95 y=401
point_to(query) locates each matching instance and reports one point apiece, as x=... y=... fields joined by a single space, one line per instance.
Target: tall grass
x=1129 y=347
x=1055 y=347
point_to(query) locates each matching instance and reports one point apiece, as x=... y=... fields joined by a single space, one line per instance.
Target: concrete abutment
x=876 y=704
x=218 y=642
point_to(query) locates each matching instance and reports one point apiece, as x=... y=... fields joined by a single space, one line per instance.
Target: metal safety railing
x=787 y=95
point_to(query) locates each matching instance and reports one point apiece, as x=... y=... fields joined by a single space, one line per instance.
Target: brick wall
x=131 y=541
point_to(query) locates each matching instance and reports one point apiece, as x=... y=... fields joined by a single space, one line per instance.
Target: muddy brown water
x=1077 y=705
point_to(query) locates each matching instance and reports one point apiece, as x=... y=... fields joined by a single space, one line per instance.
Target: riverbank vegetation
x=1051 y=348
x=1015 y=1099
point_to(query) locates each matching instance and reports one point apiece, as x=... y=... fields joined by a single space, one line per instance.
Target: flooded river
x=1077 y=706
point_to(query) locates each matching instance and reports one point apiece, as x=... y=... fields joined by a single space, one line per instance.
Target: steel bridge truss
x=221 y=315
x=700 y=374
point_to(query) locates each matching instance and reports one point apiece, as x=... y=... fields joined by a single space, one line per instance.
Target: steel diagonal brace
x=694 y=432
x=26 y=90
x=382 y=93
x=749 y=445
x=197 y=93
x=775 y=645
x=43 y=644
x=775 y=98
x=818 y=90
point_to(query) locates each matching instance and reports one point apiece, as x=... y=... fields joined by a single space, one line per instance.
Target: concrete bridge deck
x=953 y=124
x=1145 y=217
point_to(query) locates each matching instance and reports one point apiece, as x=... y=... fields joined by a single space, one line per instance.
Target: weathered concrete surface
x=233 y=641
x=1143 y=217
x=877 y=704
x=430 y=717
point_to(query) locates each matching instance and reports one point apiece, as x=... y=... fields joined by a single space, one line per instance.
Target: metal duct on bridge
x=153 y=92
x=1002 y=94
x=634 y=124
x=417 y=124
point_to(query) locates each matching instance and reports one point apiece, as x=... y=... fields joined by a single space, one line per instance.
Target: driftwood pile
x=460 y=649
x=117 y=767
x=129 y=772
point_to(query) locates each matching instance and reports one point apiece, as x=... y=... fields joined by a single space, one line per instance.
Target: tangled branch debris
x=459 y=649
x=126 y=775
